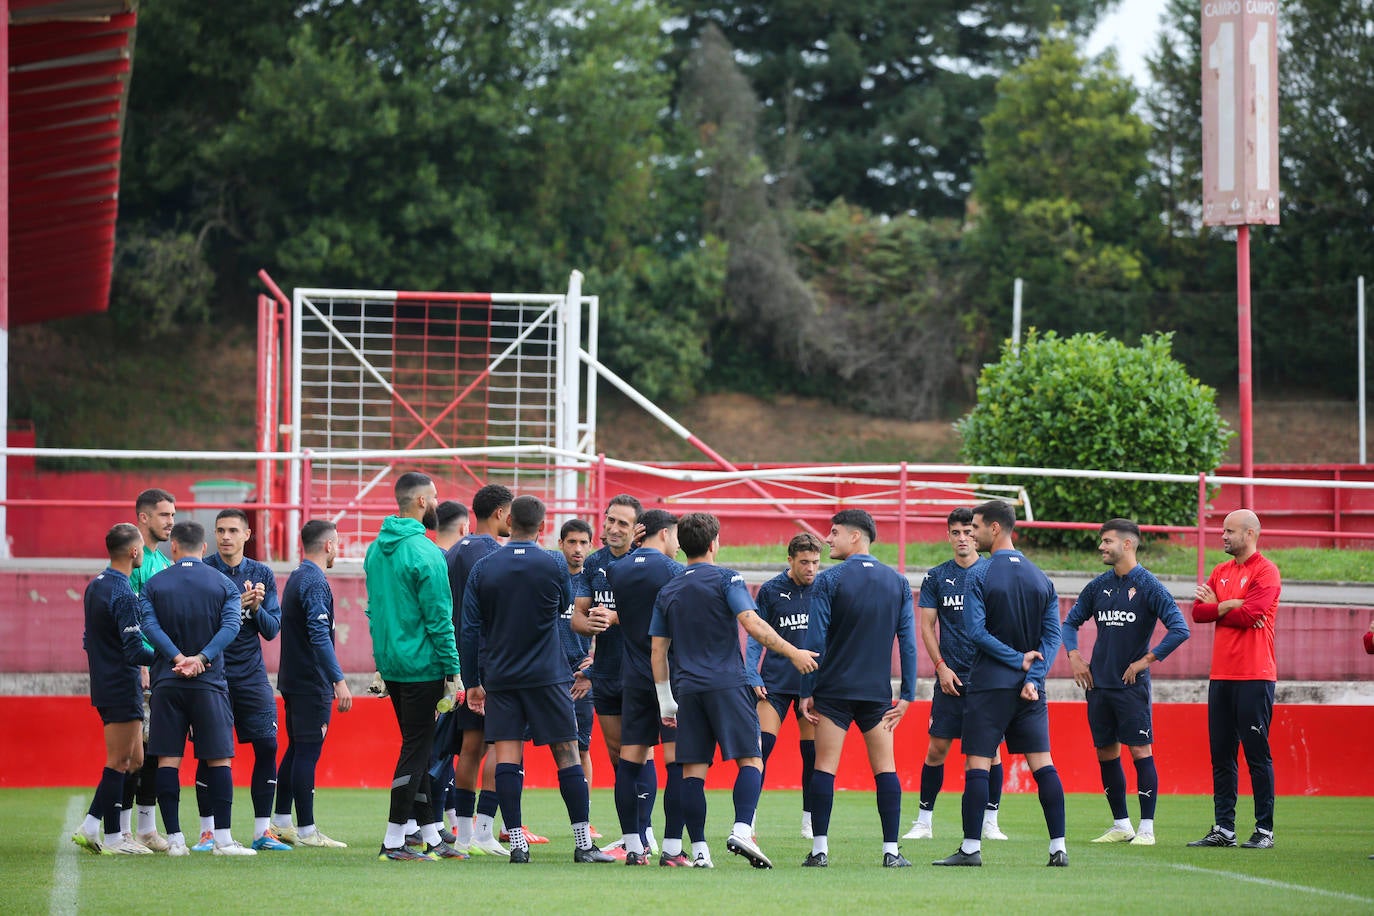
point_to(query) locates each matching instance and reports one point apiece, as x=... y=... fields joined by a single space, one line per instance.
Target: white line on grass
x=1270 y=882
x=66 y=880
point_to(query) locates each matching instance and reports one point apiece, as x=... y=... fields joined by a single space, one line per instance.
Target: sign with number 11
x=1240 y=112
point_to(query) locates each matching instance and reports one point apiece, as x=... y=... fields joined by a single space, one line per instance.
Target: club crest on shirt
x=1130 y=594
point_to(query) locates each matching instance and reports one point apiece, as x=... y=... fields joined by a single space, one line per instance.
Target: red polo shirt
x=1243 y=649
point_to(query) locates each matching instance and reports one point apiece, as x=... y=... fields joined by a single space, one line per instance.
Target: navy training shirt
x=783 y=605
x=461 y=557
x=243 y=657
x=309 y=664
x=113 y=640
x=1012 y=609
x=1125 y=610
x=857 y=608
x=943 y=590
x=576 y=646
x=511 y=606
x=699 y=611
x=188 y=609
x=592 y=583
x=636 y=580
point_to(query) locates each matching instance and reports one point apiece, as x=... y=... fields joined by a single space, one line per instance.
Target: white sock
x=462 y=828
x=91 y=825
x=743 y=830
x=701 y=849
x=1057 y=844
x=1225 y=832
x=176 y=839
x=806 y=820
x=632 y=843
x=582 y=835
x=820 y=844
x=517 y=837
x=306 y=830
x=223 y=837
x=481 y=827
x=411 y=827
x=126 y=820
x=1147 y=825
x=452 y=817
x=281 y=820
x=429 y=833
x=672 y=847
x=969 y=847
x=924 y=817
x=890 y=849
x=207 y=824
x=989 y=817
x=260 y=825
x=395 y=836
x=146 y=824
x=649 y=835
x=113 y=839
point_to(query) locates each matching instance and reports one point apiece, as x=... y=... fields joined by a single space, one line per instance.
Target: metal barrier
x=762 y=504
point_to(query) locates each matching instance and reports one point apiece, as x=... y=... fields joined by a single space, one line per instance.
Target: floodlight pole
x=4 y=269
x=1247 y=432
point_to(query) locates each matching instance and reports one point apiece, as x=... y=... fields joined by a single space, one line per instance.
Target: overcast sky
x=1132 y=28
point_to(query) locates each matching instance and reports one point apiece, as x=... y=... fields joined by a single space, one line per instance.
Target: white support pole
x=569 y=369
x=1016 y=316
x=293 y=467
x=1359 y=312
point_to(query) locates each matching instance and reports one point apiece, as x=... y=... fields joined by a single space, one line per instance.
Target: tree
x=892 y=309
x=1057 y=199
x=884 y=96
x=1091 y=403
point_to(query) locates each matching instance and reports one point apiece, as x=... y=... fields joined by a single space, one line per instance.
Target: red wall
x=56 y=741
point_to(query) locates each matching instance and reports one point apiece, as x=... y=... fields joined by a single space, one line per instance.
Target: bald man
x=1241 y=597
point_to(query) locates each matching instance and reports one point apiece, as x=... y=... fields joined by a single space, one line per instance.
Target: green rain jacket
x=409 y=605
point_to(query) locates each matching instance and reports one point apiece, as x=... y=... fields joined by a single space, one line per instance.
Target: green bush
x=1090 y=402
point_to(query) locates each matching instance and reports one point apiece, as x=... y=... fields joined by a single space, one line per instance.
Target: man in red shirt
x=1241 y=597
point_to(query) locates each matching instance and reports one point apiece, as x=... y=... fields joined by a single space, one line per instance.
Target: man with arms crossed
x=115 y=651
x=517 y=674
x=575 y=543
x=857 y=609
x=942 y=600
x=192 y=608
x=1241 y=597
x=782 y=602
x=309 y=678
x=695 y=632
x=1013 y=619
x=411 y=623
x=250 y=693
x=1124 y=603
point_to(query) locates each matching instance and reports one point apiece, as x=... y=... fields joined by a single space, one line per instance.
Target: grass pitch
x=1320 y=865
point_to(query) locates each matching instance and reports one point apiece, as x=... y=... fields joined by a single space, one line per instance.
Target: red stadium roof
x=69 y=66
